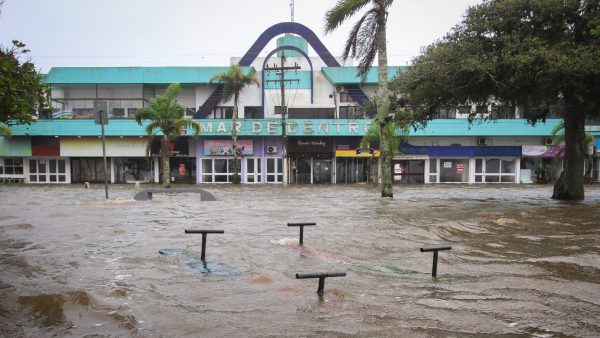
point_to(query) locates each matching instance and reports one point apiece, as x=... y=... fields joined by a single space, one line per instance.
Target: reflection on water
x=521 y=264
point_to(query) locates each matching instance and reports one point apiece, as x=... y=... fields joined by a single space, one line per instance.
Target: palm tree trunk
x=236 y=170
x=166 y=167
x=383 y=111
x=569 y=186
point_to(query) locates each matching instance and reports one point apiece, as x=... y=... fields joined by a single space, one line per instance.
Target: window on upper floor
x=481 y=110
x=225 y=112
x=311 y=113
x=552 y=112
x=346 y=98
x=189 y=112
x=446 y=113
x=463 y=110
x=351 y=112
x=556 y=112
x=501 y=112
x=593 y=121
x=118 y=113
x=253 y=112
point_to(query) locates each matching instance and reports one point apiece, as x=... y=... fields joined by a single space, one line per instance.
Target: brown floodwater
x=521 y=264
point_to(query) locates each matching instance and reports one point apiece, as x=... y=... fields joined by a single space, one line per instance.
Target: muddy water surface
x=521 y=264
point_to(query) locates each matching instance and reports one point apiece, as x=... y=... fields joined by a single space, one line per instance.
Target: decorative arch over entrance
x=260 y=44
x=296 y=49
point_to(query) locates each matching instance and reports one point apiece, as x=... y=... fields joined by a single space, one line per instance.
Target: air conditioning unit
x=481 y=141
x=271 y=150
x=548 y=141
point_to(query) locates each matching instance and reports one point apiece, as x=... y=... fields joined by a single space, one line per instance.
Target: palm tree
x=234 y=81
x=367 y=39
x=166 y=115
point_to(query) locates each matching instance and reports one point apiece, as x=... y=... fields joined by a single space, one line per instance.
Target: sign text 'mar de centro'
x=294 y=127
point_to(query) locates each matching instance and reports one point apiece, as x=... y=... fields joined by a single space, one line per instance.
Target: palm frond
x=342 y=10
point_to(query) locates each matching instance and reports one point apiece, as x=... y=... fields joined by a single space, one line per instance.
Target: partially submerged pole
x=301 y=225
x=435 y=249
x=204 y=232
x=321 y=276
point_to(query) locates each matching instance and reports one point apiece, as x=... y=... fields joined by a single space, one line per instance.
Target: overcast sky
x=196 y=32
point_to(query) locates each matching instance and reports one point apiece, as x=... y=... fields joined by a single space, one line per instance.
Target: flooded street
x=521 y=264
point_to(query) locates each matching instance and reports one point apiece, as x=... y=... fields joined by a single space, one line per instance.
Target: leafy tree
x=22 y=91
x=366 y=40
x=166 y=115
x=234 y=81
x=527 y=53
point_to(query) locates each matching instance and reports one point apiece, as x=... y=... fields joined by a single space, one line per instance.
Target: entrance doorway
x=351 y=170
x=183 y=169
x=311 y=170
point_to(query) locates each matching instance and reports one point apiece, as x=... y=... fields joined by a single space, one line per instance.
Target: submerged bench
x=147 y=194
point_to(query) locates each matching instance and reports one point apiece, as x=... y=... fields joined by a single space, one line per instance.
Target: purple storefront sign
x=541 y=151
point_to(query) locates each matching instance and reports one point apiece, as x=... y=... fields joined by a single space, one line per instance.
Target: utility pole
x=284 y=109
x=101 y=118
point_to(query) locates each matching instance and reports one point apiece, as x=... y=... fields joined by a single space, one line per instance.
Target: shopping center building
x=321 y=137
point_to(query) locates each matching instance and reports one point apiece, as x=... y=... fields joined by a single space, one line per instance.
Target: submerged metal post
x=204 y=232
x=435 y=249
x=301 y=225
x=321 y=276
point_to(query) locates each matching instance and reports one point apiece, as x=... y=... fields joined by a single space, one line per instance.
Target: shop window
x=217 y=170
x=47 y=171
x=11 y=166
x=495 y=170
x=133 y=170
x=253 y=170
x=183 y=169
x=274 y=170
x=88 y=170
x=454 y=170
x=409 y=171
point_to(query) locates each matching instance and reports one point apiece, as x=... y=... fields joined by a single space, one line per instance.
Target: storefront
x=460 y=164
x=409 y=169
x=126 y=160
x=311 y=160
x=354 y=164
x=182 y=166
x=259 y=160
x=540 y=164
x=12 y=158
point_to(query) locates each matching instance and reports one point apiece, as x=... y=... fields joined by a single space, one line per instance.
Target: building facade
x=318 y=142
